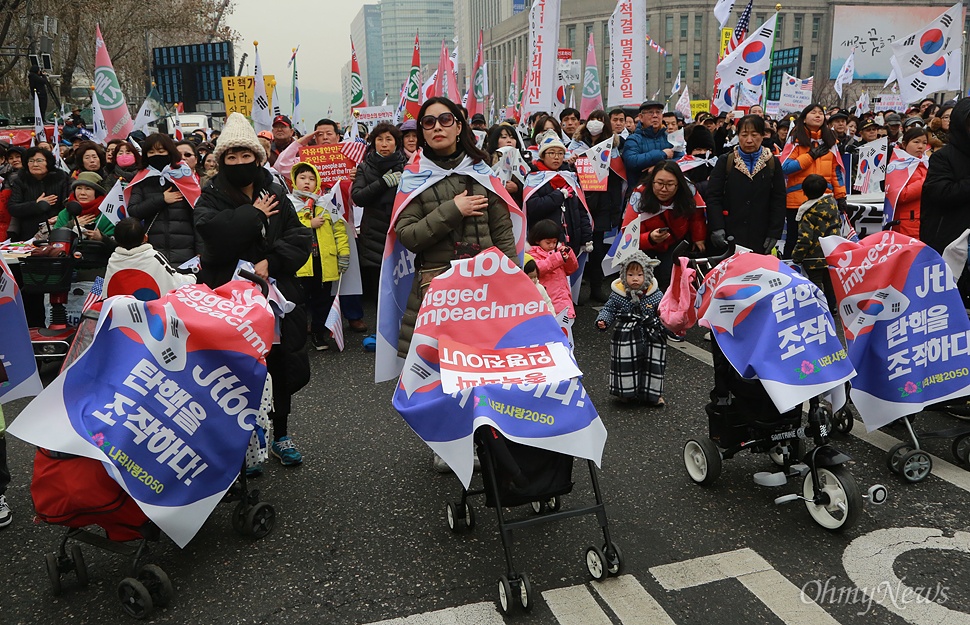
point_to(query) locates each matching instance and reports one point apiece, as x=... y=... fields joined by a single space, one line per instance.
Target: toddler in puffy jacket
x=555 y=261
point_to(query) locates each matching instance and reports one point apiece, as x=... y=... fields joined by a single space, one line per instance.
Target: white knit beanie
x=549 y=139
x=238 y=133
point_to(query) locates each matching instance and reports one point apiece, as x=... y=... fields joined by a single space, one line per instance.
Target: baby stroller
x=514 y=475
x=742 y=416
x=77 y=493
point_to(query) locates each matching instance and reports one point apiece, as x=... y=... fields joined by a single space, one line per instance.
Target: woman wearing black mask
x=243 y=214
x=166 y=213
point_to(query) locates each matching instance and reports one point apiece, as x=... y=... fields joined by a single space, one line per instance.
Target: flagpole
x=774 y=40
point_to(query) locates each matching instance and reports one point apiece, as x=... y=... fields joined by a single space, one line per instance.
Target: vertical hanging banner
x=477 y=89
x=544 y=43
x=108 y=93
x=628 y=53
x=592 y=94
x=412 y=92
x=357 y=98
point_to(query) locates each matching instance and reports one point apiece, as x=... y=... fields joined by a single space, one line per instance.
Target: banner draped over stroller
x=167 y=397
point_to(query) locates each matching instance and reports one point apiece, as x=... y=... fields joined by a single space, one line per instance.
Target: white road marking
x=941 y=468
x=484 y=613
x=772 y=588
x=869 y=562
x=575 y=606
x=631 y=602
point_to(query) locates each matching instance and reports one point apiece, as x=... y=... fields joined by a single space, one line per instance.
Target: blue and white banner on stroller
x=775 y=326
x=529 y=388
x=907 y=329
x=16 y=351
x=166 y=397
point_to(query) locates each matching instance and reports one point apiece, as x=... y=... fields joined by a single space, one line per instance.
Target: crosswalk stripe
x=631 y=602
x=785 y=599
x=484 y=613
x=575 y=606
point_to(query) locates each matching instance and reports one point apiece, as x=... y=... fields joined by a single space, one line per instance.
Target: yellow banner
x=725 y=39
x=237 y=93
x=699 y=106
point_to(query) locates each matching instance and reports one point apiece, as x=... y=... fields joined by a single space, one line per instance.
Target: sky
x=321 y=28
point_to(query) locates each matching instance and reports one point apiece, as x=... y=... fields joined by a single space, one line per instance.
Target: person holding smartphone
x=670 y=213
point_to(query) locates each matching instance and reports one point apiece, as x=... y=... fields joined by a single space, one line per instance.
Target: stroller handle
x=683 y=249
x=249 y=275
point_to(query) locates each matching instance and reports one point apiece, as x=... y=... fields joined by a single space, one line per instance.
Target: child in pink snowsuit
x=555 y=261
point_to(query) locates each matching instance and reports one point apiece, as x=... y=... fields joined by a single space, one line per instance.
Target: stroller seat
x=523 y=474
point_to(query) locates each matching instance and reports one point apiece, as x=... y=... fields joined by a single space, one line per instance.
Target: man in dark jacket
x=39 y=84
x=244 y=215
x=945 y=204
x=647 y=145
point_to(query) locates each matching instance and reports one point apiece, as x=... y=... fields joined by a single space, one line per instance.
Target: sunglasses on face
x=445 y=120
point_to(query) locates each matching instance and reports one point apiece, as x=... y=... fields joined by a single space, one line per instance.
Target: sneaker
x=284 y=449
x=673 y=337
x=440 y=465
x=254 y=471
x=6 y=516
x=319 y=340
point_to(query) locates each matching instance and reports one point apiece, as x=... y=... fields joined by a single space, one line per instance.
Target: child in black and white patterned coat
x=638 y=349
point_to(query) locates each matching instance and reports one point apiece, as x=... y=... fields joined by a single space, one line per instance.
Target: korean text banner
x=907 y=331
x=16 y=351
x=490 y=304
x=773 y=325
x=628 y=54
x=166 y=397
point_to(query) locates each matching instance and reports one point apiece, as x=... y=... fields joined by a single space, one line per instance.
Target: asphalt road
x=361 y=534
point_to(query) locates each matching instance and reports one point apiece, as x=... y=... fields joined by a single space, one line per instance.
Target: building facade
x=400 y=20
x=365 y=30
x=691 y=36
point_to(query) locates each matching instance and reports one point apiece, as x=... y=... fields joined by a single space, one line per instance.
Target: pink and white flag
x=108 y=93
x=592 y=93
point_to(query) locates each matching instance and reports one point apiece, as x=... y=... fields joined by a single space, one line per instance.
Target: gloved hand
x=843 y=205
x=770 y=244
x=392 y=178
x=719 y=238
x=819 y=151
x=343 y=263
x=567 y=192
x=588 y=247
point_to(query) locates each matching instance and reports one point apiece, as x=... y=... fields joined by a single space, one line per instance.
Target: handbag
x=676 y=308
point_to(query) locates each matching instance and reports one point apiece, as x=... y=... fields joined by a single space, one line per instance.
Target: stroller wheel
x=80 y=568
x=53 y=573
x=614 y=558
x=135 y=598
x=915 y=466
x=469 y=517
x=843 y=420
x=158 y=584
x=961 y=449
x=841 y=501
x=504 y=595
x=238 y=517
x=895 y=456
x=261 y=520
x=596 y=563
x=451 y=515
x=525 y=592
x=703 y=460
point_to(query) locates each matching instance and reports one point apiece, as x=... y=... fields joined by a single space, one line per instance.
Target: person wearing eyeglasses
x=940 y=124
x=37 y=193
x=648 y=144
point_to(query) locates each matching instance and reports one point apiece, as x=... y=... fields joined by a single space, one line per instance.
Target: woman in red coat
x=671 y=213
x=904 y=182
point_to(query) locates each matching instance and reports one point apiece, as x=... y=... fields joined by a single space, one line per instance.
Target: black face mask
x=159 y=161
x=241 y=175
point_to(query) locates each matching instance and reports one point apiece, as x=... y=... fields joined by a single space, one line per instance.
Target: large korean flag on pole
x=927 y=45
x=750 y=58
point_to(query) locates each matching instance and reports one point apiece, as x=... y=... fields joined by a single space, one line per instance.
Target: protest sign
x=166 y=397
x=465 y=366
x=373 y=115
x=588 y=179
x=329 y=160
x=237 y=93
x=16 y=351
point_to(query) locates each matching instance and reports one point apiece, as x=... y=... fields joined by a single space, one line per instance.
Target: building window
x=816 y=25
x=683 y=26
x=780 y=26
x=669 y=67
x=796 y=29
x=571 y=37
x=760 y=17
x=814 y=58
x=698 y=27
x=648 y=24
x=697 y=66
x=669 y=29
x=605 y=41
x=589 y=31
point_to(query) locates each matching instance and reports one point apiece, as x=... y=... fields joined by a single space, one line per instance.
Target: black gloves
x=818 y=151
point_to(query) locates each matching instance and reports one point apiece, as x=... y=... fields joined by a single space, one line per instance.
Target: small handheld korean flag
x=113 y=207
x=846 y=74
x=599 y=157
x=752 y=57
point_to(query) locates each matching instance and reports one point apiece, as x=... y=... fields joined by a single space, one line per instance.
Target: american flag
x=740 y=31
x=94 y=295
x=335 y=323
x=354 y=150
